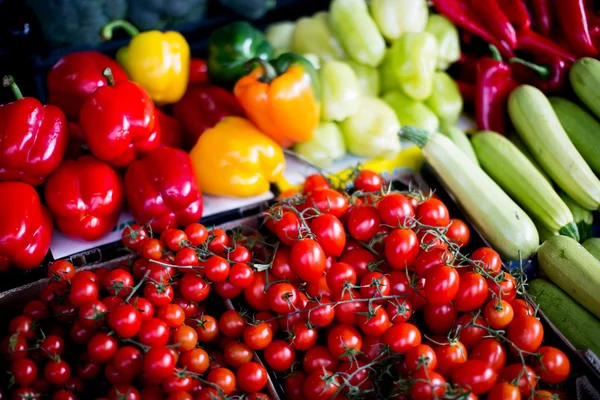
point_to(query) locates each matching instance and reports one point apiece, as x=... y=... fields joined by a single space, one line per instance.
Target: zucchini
x=593 y=246
x=503 y=161
x=582 y=217
x=539 y=127
x=580 y=327
x=583 y=130
x=573 y=269
x=460 y=138
x=503 y=224
x=516 y=140
x=585 y=79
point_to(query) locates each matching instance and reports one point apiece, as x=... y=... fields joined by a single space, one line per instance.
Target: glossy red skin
x=25 y=226
x=75 y=76
x=171 y=132
x=198 y=71
x=85 y=196
x=119 y=123
x=162 y=189
x=33 y=140
x=202 y=107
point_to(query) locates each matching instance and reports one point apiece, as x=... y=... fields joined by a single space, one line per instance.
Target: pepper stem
x=107 y=31
x=495 y=53
x=269 y=71
x=542 y=70
x=9 y=81
x=110 y=79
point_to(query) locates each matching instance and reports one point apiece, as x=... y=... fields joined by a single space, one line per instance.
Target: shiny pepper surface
x=25 y=226
x=162 y=190
x=33 y=138
x=119 y=122
x=236 y=159
x=85 y=196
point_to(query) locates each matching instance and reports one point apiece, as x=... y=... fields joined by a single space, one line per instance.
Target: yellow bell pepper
x=234 y=158
x=158 y=61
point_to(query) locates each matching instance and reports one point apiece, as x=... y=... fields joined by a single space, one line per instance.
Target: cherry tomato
x=232 y=324
x=521 y=307
x=401 y=248
x=347 y=312
x=61 y=270
x=339 y=277
x=281 y=269
x=24 y=371
x=428 y=385
x=36 y=310
x=472 y=292
x=315 y=387
x=57 y=371
x=449 y=356
x=315 y=182
x=476 y=375
x=359 y=259
x=80 y=333
x=236 y=354
x=82 y=291
x=440 y=319
x=307 y=260
x=441 y=285
x=159 y=363
x=133 y=236
x=279 y=355
x=303 y=337
x=394 y=208
x=458 y=232
x=251 y=377
x=363 y=222
x=488 y=260
x=374 y=284
x=186 y=336
x=433 y=212
x=52 y=345
x=172 y=314
x=241 y=275
x=239 y=254
x=159 y=294
x=526 y=332
x=154 y=332
x=283 y=298
x=152 y=249
x=490 y=351
x=287 y=227
x=402 y=337
x=429 y=259
x=196 y=233
x=470 y=335
x=119 y=283
x=128 y=360
x=292 y=385
x=368 y=181
x=256 y=294
x=178 y=382
x=503 y=286
x=195 y=360
x=144 y=307
x=101 y=347
x=498 y=314
x=223 y=378
x=399 y=311
x=322 y=313
x=187 y=257
x=330 y=234
x=125 y=320
x=174 y=239
x=23 y=326
x=527 y=379
x=258 y=336
x=64 y=395
x=207 y=328
x=226 y=290
x=269 y=318
x=552 y=365
x=193 y=287
x=504 y=391
x=419 y=357
x=218 y=241
x=317 y=358
x=374 y=324
x=328 y=201
x=216 y=268
x=343 y=341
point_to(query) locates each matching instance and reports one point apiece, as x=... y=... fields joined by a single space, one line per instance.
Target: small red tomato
x=476 y=375
x=401 y=248
x=526 y=332
x=458 y=232
x=57 y=372
x=552 y=365
x=368 y=181
x=251 y=377
x=498 y=314
x=283 y=298
x=216 y=269
x=174 y=238
x=159 y=363
x=394 y=209
x=241 y=275
x=315 y=182
x=196 y=233
x=307 y=260
x=61 y=270
x=330 y=234
x=152 y=249
x=441 y=285
x=133 y=236
x=433 y=212
x=488 y=260
x=402 y=337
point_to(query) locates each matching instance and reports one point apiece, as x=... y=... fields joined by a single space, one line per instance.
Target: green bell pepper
x=340 y=91
x=445 y=100
x=395 y=17
x=230 y=46
x=326 y=146
x=279 y=35
x=413 y=58
x=411 y=112
x=368 y=78
x=356 y=30
x=448 y=40
x=460 y=138
x=314 y=35
x=373 y=130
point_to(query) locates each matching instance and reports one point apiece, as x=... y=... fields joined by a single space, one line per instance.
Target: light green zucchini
x=582 y=217
x=514 y=137
x=585 y=80
x=460 y=138
x=593 y=246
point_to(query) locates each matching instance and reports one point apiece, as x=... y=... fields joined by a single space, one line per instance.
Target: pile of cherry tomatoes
x=368 y=294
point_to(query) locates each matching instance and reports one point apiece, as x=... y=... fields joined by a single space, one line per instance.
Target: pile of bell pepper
x=531 y=41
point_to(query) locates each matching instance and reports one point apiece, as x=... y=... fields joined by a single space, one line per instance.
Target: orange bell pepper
x=282 y=98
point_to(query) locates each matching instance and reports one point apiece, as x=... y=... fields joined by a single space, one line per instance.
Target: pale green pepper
x=313 y=59
x=460 y=138
x=395 y=17
x=413 y=59
x=368 y=78
x=411 y=112
x=326 y=145
x=387 y=78
x=448 y=40
x=340 y=91
x=445 y=100
x=373 y=130
x=314 y=35
x=280 y=35
x=356 y=30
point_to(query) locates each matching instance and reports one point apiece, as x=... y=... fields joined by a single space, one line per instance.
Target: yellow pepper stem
x=269 y=71
x=107 y=31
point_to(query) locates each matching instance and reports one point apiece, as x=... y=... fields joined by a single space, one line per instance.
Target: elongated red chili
x=572 y=18
x=537 y=44
x=548 y=73
x=494 y=84
x=516 y=12
x=542 y=15
x=489 y=11
x=459 y=12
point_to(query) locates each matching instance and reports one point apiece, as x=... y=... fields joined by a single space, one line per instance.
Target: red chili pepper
x=571 y=15
x=25 y=226
x=459 y=12
x=516 y=12
x=162 y=189
x=490 y=12
x=540 y=45
x=33 y=138
x=548 y=74
x=467 y=90
x=119 y=122
x=85 y=196
x=592 y=18
x=198 y=71
x=171 y=133
x=202 y=107
x=75 y=76
x=494 y=84
x=595 y=35
x=542 y=14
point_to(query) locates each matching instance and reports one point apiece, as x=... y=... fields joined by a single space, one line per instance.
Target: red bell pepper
x=198 y=71
x=75 y=76
x=119 y=122
x=33 y=138
x=162 y=190
x=171 y=133
x=539 y=45
x=494 y=84
x=516 y=12
x=25 y=226
x=77 y=146
x=548 y=74
x=202 y=107
x=489 y=11
x=542 y=15
x=572 y=18
x=85 y=196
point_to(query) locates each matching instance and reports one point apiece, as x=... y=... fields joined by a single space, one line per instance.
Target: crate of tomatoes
x=373 y=292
